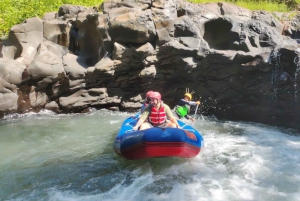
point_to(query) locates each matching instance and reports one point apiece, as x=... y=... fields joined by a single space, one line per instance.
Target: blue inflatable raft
x=183 y=142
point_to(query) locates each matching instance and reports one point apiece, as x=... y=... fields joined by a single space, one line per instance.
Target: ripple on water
x=46 y=156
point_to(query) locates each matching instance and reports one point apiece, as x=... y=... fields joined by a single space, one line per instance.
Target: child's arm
x=185 y=102
x=189 y=117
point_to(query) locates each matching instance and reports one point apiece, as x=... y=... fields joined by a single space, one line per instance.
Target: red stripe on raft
x=160 y=149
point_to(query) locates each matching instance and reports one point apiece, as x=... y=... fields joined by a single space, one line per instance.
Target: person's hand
x=135 y=128
x=192 y=119
x=198 y=102
x=177 y=126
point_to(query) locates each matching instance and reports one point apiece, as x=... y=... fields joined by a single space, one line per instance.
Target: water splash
x=71 y=158
x=111 y=3
x=186 y=8
x=297 y=62
x=275 y=60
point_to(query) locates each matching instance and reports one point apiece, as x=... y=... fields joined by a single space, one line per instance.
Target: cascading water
x=297 y=62
x=112 y=4
x=186 y=7
x=275 y=60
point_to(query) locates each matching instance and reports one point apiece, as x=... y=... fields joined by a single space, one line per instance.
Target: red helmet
x=156 y=95
x=148 y=94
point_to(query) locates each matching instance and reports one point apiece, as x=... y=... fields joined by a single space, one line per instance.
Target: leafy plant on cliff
x=270 y=5
x=15 y=11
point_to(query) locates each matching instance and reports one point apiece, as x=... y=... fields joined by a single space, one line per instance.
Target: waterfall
x=297 y=62
x=275 y=59
x=186 y=5
x=112 y=4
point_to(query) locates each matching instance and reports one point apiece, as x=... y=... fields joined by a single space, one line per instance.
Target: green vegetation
x=268 y=5
x=15 y=11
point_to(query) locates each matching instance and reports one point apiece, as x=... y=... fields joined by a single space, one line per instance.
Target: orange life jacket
x=157 y=116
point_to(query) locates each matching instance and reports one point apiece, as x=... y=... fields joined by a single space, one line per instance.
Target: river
x=46 y=156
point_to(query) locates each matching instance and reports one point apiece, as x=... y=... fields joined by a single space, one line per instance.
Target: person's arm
x=138 y=124
x=189 y=117
x=143 y=107
x=143 y=117
x=174 y=120
x=170 y=115
x=185 y=102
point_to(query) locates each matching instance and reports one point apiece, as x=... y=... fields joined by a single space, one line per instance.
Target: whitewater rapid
x=46 y=156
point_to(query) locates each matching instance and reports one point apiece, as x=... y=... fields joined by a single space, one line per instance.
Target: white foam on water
x=240 y=161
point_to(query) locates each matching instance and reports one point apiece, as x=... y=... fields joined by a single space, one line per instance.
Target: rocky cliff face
x=242 y=65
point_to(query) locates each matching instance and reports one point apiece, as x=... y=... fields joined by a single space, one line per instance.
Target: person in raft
x=146 y=101
x=156 y=113
x=183 y=107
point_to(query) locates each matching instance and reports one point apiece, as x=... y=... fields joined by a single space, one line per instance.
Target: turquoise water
x=46 y=156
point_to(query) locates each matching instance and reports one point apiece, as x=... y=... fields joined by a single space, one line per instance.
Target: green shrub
x=267 y=5
x=15 y=11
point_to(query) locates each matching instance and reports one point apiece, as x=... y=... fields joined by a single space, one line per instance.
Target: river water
x=46 y=156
